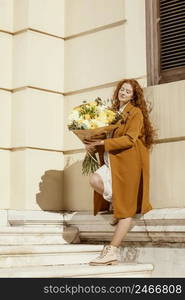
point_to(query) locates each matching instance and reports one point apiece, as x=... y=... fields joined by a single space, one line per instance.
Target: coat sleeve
x=131 y=135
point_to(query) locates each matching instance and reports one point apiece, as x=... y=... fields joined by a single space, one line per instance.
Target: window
x=165 y=37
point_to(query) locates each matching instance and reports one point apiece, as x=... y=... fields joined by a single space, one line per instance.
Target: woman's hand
x=90 y=146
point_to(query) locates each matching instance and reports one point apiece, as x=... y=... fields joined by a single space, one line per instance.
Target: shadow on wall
x=51 y=187
x=78 y=194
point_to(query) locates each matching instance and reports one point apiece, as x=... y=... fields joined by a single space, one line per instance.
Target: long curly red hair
x=139 y=101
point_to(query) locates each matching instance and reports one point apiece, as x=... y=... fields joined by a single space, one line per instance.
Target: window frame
x=154 y=74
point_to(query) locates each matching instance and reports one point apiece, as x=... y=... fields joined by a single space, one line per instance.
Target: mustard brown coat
x=129 y=162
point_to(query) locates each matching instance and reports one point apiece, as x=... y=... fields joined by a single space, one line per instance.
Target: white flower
x=85 y=124
x=74 y=116
x=100 y=123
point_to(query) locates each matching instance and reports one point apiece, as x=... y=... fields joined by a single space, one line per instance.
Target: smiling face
x=125 y=93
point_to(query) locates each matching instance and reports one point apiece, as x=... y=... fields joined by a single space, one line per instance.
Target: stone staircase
x=79 y=270
x=60 y=244
x=45 y=251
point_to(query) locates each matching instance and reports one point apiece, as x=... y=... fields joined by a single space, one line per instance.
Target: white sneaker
x=108 y=256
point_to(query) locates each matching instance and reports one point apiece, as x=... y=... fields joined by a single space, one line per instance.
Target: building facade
x=54 y=55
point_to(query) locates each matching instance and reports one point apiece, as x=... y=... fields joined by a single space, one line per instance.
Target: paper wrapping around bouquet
x=94 y=134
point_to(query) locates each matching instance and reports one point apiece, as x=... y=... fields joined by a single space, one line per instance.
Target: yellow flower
x=93 y=125
x=80 y=121
x=110 y=119
x=102 y=115
x=93 y=103
x=87 y=117
x=110 y=112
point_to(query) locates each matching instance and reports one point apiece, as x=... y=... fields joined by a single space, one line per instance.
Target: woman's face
x=125 y=93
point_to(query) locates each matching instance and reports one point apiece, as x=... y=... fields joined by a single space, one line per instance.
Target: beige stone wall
x=31 y=97
x=6 y=25
x=36 y=179
x=102 y=53
x=167 y=158
x=54 y=56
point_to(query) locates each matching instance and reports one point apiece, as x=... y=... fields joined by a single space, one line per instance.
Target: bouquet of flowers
x=92 y=121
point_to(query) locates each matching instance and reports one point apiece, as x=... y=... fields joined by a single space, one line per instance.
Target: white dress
x=105 y=171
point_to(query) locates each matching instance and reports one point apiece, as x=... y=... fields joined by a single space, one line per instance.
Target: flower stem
x=90 y=164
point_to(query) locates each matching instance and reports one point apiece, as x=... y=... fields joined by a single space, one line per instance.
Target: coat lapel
x=125 y=113
x=122 y=123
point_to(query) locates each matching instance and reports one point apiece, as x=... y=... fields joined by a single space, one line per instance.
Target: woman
x=123 y=178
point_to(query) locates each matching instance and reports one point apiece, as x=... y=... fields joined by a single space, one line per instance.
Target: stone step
x=17 y=256
x=38 y=235
x=68 y=271
x=36 y=249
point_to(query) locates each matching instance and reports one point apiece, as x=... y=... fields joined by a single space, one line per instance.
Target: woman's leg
x=123 y=224
x=120 y=232
x=109 y=253
x=97 y=183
